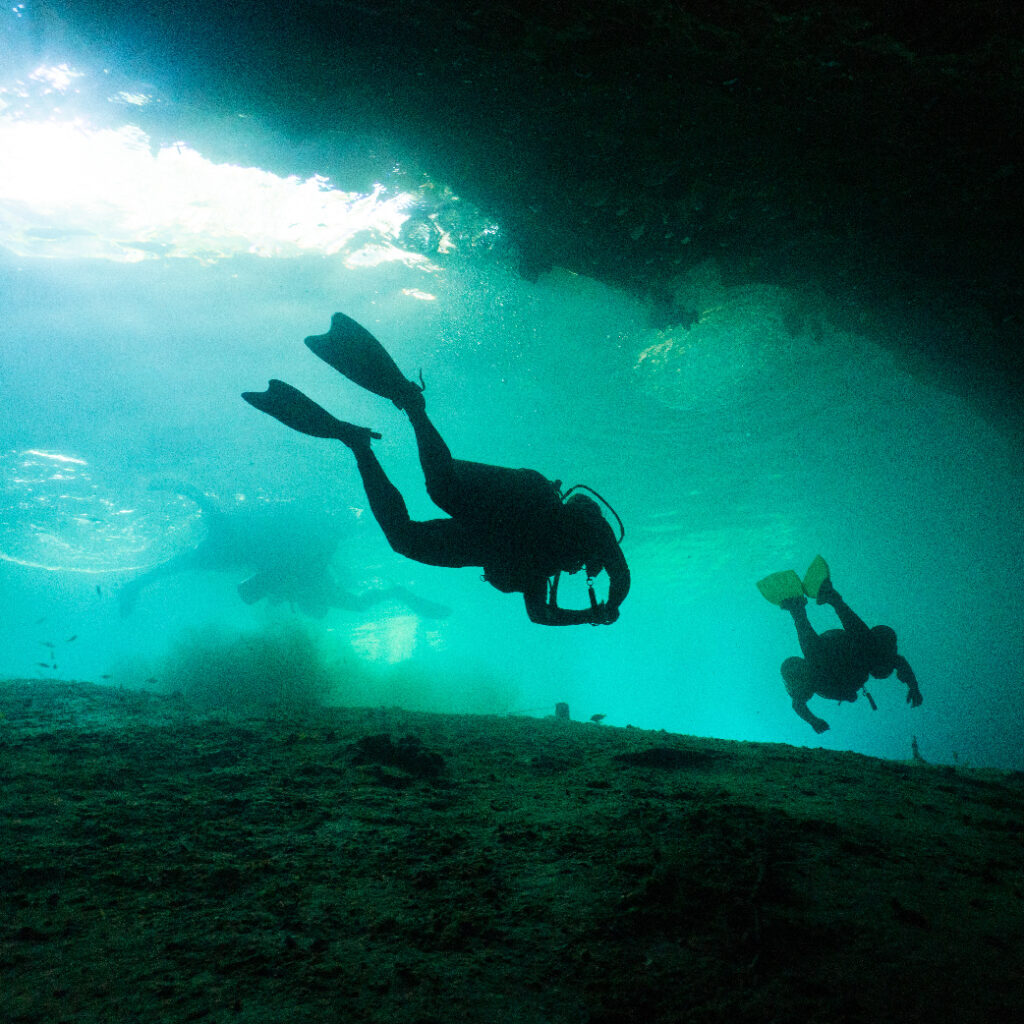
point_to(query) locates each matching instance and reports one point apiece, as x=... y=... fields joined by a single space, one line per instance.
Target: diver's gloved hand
x=914 y=698
x=604 y=614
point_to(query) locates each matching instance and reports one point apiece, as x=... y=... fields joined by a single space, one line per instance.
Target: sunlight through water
x=70 y=188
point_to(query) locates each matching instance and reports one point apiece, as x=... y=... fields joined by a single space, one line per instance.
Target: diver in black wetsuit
x=836 y=664
x=511 y=522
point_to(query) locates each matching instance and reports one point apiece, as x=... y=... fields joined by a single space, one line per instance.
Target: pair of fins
x=354 y=352
x=781 y=586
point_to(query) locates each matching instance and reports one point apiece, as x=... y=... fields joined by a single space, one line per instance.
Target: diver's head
x=588 y=529
x=883 y=651
x=584 y=509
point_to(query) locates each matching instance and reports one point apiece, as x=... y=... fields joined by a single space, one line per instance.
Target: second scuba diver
x=836 y=664
x=513 y=523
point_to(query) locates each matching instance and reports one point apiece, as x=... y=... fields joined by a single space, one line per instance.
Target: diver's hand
x=604 y=614
x=914 y=698
x=819 y=725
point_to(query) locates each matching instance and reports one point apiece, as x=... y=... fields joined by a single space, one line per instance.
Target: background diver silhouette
x=836 y=664
x=286 y=551
x=512 y=523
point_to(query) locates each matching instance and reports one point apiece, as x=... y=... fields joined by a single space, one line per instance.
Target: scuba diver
x=836 y=664
x=513 y=523
x=288 y=553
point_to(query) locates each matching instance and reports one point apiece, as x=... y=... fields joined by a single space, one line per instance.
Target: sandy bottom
x=163 y=863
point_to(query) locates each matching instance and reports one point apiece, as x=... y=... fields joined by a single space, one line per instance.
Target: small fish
x=43 y=664
x=99 y=590
x=598 y=719
x=39 y=622
x=151 y=679
x=71 y=639
x=107 y=676
x=46 y=643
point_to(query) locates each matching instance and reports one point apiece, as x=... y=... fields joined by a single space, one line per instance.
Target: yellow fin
x=780 y=586
x=817 y=573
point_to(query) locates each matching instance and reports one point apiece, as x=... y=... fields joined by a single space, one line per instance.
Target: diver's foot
x=355 y=437
x=791 y=604
x=411 y=398
x=825 y=592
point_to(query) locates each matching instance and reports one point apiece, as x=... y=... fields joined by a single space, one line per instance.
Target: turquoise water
x=744 y=439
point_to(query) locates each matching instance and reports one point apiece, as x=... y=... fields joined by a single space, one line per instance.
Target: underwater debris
x=408 y=755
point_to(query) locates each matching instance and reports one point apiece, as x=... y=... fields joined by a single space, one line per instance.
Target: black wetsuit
x=511 y=522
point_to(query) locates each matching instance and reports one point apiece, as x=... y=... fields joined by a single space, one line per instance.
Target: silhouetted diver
x=287 y=553
x=511 y=522
x=836 y=664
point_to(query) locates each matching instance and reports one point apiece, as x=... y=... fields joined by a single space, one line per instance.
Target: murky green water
x=747 y=438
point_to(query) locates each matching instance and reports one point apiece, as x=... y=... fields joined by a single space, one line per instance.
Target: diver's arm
x=618 y=576
x=545 y=611
x=817 y=724
x=905 y=674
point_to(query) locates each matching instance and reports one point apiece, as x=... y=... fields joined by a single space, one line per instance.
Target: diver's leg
x=810 y=642
x=454 y=485
x=128 y=595
x=461 y=487
x=436 y=542
x=435 y=456
x=852 y=622
x=351 y=602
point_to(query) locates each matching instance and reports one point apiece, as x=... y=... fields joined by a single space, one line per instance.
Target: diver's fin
x=780 y=586
x=353 y=351
x=294 y=409
x=817 y=573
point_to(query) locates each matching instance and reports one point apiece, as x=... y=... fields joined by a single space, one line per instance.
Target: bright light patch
x=134 y=99
x=71 y=190
x=55 y=79
x=54 y=456
x=374 y=255
x=389 y=640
